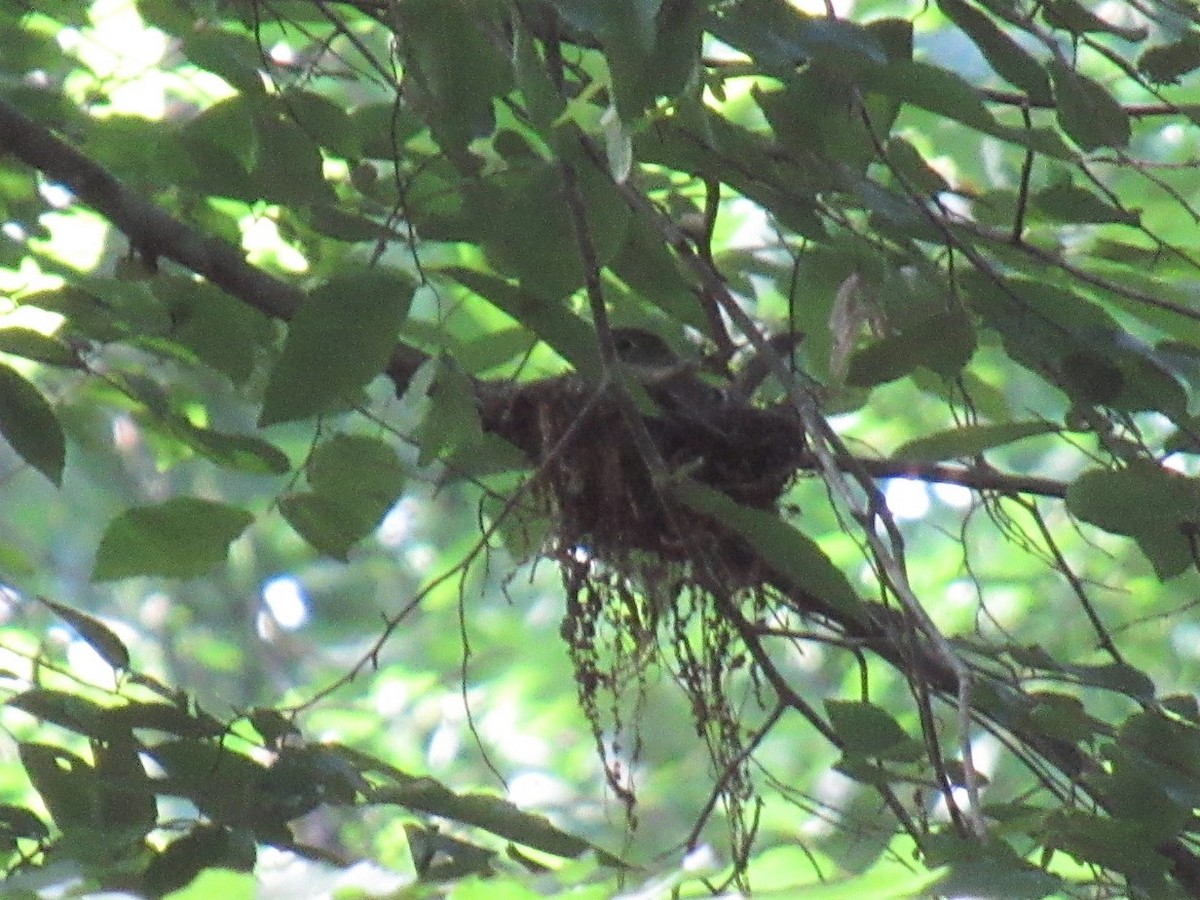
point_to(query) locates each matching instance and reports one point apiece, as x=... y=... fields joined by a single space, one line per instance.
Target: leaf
x=969 y=440
x=241 y=452
x=357 y=466
x=222 y=332
x=355 y=481
x=290 y=167
x=1156 y=507
x=205 y=847
x=228 y=126
x=325 y=523
x=932 y=88
x=452 y=420
x=542 y=254
x=493 y=814
x=126 y=795
x=1073 y=17
x=1066 y=202
x=795 y=555
x=1010 y=60
x=1106 y=842
x=341 y=338
x=452 y=71
x=867 y=729
x=69 y=711
x=224 y=784
x=1129 y=500
x=17 y=821
x=182 y=538
x=570 y=336
x=943 y=343
x=30 y=344
x=166 y=717
x=234 y=57
x=1167 y=63
x=779 y=37
x=1088 y=113
x=324 y=121
x=29 y=425
x=98 y=636
x=66 y=783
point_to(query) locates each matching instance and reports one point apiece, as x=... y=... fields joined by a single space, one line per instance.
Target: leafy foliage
x=313 y=304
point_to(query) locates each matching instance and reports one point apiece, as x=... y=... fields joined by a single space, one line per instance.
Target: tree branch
x=154 y=232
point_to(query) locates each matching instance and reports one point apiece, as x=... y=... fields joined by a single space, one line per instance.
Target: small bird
x=671 y=382
x=674 y=384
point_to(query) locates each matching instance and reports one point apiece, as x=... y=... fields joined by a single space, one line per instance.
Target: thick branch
x=975 y=478
x=155 y=233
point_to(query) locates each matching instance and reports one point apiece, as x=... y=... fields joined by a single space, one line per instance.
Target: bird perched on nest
x=671 y=382
x=675 y=385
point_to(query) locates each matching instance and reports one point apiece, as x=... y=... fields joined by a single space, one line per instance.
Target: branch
x=154 y=232
x=977 y=478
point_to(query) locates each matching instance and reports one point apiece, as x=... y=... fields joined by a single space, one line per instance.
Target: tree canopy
x=566 y=445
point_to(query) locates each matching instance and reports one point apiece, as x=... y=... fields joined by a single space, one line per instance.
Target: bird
x=673 y=382
x=670 y=381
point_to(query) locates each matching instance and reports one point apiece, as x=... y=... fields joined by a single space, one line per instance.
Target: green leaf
x=70 y=711
x=452 y=420
x=290 y=167
x=241 y=452
x=234 y=57
x=29 y=425
x=570 y=336
x=222 y=332
x=493 y=814
x=1075 y=18
x=1010 y=60
x=98 y=636
x=932 y=88
x=337 y=342
x=20 y=822
x=205 y=847
x=383 y=128
x=327 y=524
x=795 y=555
x=66 y=783
x=224 y=784
x=221 y=883
x=1167 y=63
x=1106 y=842
x=182 y=538
x=1156 y=507
x=867 y=729
x=1088 y=113
x=943 y=343
x=543 y=253
x=325 y=122
x=779 y=37
x=355 y=481
x=357 y=465
x=1066 y=202
x=1125 y=501
x=30 y=344
x=453 y=71
x=969 y=440
x=227 y=125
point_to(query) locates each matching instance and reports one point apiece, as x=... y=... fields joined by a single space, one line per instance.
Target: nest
x=650 y=584
x=601 y=492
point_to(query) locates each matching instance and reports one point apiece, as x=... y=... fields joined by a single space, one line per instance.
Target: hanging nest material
x=649 y=582
x=599 y=489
